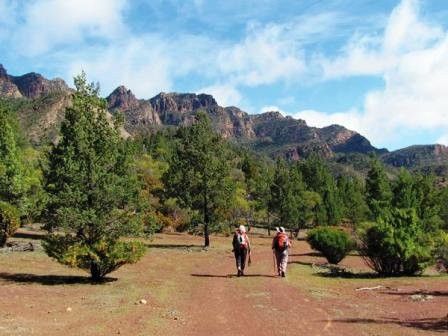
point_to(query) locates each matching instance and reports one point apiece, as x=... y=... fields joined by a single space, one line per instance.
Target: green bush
x=99 y=258
x=9 y=222
x=441 y=249
x=397 y=245
x=333 y=243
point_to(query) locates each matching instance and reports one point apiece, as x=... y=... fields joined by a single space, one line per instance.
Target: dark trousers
x=240 y=258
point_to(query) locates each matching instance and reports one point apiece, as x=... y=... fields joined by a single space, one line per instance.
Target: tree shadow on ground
x=333 y=271
x=51 y=280
x=307 y=254
x=229 y=276
x=417 y=292
x=28 y=235
x=305 y=263
x=348 y=275
x=426 y=324
x=176 y=246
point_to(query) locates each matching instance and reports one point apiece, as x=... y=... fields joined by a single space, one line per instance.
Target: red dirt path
x=191 y=292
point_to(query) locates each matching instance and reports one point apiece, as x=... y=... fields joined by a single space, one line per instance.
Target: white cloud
x=48 y=24
x=412 y=58
x=271 y=108
x=375 y=54
x=146 y=71
x=225 y=94
x=350 y=119
x=443 y=140
x=265 y=56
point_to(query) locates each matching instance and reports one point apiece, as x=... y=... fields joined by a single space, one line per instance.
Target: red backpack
x=282 y=242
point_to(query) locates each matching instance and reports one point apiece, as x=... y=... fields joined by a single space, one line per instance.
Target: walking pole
x=273 y=258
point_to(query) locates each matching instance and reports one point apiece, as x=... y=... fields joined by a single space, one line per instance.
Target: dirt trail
x=192 y=292
x=256 y=304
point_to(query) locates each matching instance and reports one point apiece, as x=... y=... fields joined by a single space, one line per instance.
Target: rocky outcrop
x=3 y=73
x=270 y=131
x=137 y=113
x=33 y=85
x=7 y=88
x=342 y=140
x=176 y=108
x=417 y=156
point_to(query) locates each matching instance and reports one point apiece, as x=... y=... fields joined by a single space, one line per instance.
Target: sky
x=377 y=67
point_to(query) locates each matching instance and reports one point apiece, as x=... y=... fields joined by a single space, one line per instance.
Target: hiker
x=280 y=245
x=241 y=247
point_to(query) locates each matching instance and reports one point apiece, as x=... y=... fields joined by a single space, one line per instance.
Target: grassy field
x=189 y=291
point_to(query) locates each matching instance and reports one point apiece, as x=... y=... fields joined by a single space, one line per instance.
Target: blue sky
x=378 y=67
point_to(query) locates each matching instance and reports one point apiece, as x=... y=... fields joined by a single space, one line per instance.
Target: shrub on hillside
x=9 y=222
x=333 y=243
x=397 y=245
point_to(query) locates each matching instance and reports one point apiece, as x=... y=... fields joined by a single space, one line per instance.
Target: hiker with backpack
x=280 y=246
x=241 y=248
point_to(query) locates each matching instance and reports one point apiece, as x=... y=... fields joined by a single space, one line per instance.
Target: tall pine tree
x=378 y=189
x=319 y=179
x=199 y=172
x=352 y=195
x=11 y=178
x=92 y=189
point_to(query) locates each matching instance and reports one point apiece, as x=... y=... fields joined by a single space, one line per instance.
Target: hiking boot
x=283 y=274
x=242 y=273
x=239 y=273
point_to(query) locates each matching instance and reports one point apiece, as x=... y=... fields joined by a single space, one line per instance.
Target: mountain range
x=39 y=104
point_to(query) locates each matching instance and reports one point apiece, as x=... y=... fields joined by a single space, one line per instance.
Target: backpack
x=281 y=242
x=241 y=240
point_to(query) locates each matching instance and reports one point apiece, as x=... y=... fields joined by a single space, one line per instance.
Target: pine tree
x=352 y=195
x=92 y=190
x=262 y=192
x=404 y=191
x=279 y=192
x=12 y=187
x=11 y=168
x=442 y=199
x=378 y=190
x=427 y=202
x=289 y=198
x=198 y=173
x=319 y=179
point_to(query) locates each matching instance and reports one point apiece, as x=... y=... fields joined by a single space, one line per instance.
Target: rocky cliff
x=418 y=156
x=270 y=132
x=31 y=85
x=40 y=105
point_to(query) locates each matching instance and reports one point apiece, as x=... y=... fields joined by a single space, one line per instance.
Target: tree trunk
x=206 y=222
x=269 y=226
x=206 y=236
x=95 y=272
x=2 y=240
x=296 y=233
x=206 y=215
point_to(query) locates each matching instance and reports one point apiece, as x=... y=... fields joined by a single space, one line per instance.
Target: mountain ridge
x=44 y=101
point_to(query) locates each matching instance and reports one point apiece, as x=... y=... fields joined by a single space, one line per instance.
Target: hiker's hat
x=277 y=229
x=242 y=228
x=282 y=229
